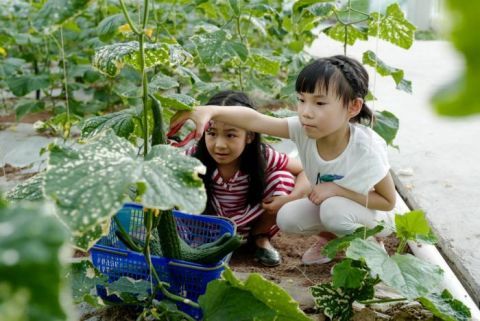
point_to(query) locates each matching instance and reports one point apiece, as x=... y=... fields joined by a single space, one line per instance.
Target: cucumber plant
x=367 y=263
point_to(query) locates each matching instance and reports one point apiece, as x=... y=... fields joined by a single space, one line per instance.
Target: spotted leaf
x=110 y=59
x=54 y=13
x=122 y=123
x=30 y=190
x=392 y=27
x=89 y=184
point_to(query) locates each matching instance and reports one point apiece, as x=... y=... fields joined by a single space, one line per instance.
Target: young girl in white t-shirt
x=344 y=160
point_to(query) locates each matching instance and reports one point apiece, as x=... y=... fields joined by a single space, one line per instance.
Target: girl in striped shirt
x=246 y=180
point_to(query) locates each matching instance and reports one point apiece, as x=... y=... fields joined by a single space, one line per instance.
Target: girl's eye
x=210 y=133
x=319 y=103
x=300 y=99
x=231 y=136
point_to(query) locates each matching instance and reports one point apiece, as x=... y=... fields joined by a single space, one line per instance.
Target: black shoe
x=267 y=257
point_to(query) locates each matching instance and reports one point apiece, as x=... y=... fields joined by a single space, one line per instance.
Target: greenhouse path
x=436 y=165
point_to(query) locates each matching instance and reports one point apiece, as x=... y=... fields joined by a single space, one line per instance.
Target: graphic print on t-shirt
x=327 y=178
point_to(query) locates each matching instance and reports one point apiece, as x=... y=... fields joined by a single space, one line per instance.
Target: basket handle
x=102 y=249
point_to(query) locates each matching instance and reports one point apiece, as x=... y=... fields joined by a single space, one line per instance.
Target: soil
x=12 y=172
x=29 y=118
x=291 y=248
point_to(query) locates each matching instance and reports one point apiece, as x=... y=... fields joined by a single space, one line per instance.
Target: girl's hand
x=200 y=115
x=322 y=191
x=272 y=205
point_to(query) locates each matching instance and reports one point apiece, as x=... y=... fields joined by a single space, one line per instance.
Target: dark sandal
x=267 y=257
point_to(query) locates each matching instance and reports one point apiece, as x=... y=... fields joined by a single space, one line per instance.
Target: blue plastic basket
x=112 y=258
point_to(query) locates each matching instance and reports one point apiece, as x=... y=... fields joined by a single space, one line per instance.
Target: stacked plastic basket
x=112 y=258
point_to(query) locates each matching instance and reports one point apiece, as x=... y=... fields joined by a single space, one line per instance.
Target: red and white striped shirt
x=229 y=198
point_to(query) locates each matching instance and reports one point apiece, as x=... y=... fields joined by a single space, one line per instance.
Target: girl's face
x=322 y=114
x=226 y=143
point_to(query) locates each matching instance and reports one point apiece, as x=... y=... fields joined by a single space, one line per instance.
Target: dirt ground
x=291 y=248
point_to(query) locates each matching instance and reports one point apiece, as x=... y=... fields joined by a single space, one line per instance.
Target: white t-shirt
x=358 y=168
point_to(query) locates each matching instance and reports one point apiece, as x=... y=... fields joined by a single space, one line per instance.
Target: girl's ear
x=355 y=107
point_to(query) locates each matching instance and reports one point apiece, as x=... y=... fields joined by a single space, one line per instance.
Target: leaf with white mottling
x=172 y=180
x=176 y=101
x=264 y=64
x=392 y=27
x=56 y=12
x=30 y=190
x=353 y=34
x=129 y=290
x=83 y=278
x=89 y=184
x=122 y=123
x=336 y=303
x=110 y=59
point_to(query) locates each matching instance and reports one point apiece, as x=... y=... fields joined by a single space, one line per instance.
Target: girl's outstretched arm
x=238 y=116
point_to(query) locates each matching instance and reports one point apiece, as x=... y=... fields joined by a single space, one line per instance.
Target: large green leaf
x=176 y=101
x=341 y=243
x=57 y=12
x=409 y=275
x=162 y=82
x=386 y=125
x=371 y=59
x=392 y=27
x=110 y=59
x=89 y=184
x=216 y=46
x=121 y=122
x=446 y=307
x=32 y=264
x=25 y=107
x=351 y=32
x=22 y=85
x=129 y=290
x=254 y=299
x=84 y=277
x=411 y=225
x=108 y=27
x=460 y=97
x=264 y=65
x=11 y=66
x=346 y=275
x=30 y=190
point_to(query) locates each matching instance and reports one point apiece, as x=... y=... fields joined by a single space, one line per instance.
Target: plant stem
x=127 y=16
x=401 y=246
x=145 y=14
x=141 y=38
x=382 y=301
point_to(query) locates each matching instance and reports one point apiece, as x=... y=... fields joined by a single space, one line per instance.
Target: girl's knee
x=335 y=216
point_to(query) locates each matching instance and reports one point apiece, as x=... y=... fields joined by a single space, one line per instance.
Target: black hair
x=252 y=160
x=345 y=76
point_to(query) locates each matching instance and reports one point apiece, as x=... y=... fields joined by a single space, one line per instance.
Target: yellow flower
x=125 y=28
x=149 y=32
x=3 y=52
